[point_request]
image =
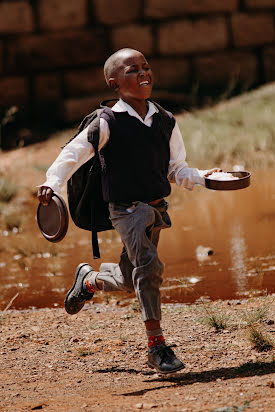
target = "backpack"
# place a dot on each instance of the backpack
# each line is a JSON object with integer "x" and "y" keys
{"x": 87, "y": 208}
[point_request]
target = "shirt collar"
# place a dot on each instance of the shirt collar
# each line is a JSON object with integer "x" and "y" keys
{"x": 122, "y": 106}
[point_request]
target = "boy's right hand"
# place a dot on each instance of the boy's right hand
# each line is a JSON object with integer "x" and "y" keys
{"x": 44, "y": 195}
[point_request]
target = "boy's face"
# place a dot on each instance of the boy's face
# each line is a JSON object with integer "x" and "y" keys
{"x": 133, "y": 78}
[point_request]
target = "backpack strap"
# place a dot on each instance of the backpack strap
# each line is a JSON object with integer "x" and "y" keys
{"x": 93, "y": 135}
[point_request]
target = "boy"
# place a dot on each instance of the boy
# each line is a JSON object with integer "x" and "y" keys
{"x": 144, "y": 152}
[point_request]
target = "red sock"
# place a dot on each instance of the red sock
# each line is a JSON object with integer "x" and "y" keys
{"x": 155, "y": 341}
{"x": 88, "y": 286}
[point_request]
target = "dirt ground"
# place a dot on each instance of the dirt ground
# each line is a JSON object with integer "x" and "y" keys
{"x": 96, "y": 360}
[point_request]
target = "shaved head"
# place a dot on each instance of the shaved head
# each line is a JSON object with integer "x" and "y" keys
{"x": 113, "y": 63}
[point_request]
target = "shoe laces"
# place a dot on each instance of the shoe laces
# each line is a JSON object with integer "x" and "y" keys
{"x": 165, "y": 352}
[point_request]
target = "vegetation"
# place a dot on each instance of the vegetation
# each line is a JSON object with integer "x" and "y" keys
{"x": 259, "y": 341}
{"x": 7, "y": 190}
{"x": 240, "y": 131}
{"x": 3, "y": 313}
{"x": 214, "y": 319}
{"x": 252, "y": 317}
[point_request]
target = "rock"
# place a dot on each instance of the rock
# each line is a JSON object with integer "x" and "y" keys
{"x": 203, "y": 253}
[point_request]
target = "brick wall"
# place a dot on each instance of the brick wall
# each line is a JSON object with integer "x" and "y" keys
{"x": 52, "y": 51}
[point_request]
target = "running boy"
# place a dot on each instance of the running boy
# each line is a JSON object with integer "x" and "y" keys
{"x": 144, "y": 152}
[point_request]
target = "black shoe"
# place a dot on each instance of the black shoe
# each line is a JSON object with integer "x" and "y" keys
{"x": 76, "y": 297}
{"x": 163, "y": 359}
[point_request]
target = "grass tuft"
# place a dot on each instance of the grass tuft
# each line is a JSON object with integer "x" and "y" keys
{"x": 259, "y": 341}
{"x": 7, "y": 190}
{"x": 219, "y": 321}
{"x": 261, "y": 313}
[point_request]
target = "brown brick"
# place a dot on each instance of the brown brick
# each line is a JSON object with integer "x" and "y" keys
{"x": 117, "y": 11}
{"x": 252, "y": 30}
{"x": 164, "y": 8}
{"x": 224, "y": 68}
{"x": 269, "y": 63}
{"x": 170, "y": 73}
{"x": 135, "y": 36}
{"x": 76, "y": 109}
{"x": 56, "y": 50}
{"x": 13, "y": 91}
{"x": 259, "y": 4}
{"x": 84, "y": 82}
{"x": 193, "y": 36}
{"x": 16, "y": 17}
{"x": 56, "y": 14}
{"x": 47, "y": 86}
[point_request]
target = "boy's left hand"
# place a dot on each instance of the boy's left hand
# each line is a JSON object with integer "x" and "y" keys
{"x": 216, "y": 169}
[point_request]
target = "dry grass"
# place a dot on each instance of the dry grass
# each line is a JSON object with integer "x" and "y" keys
{"x": 218, "y": 320}
{"x": 240, "y": 131}
{"x": 259, "y": 341}
{"x": 3, "y": 313}
{"x": 8, "y": 190}
{"x": 261, "y": 313}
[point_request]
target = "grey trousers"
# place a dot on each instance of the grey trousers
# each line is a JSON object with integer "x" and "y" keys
{"x": 139, "y": 269}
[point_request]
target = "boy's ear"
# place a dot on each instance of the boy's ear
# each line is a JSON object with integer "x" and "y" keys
{"x": 113, "y": 84}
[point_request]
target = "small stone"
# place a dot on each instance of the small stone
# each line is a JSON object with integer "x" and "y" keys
{"x": 139, "y": 406}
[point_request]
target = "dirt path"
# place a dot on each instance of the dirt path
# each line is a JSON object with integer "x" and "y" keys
{"x": 96, "y": 360}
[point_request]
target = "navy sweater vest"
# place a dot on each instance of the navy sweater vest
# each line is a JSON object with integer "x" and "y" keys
{"x": 137, "y": 157}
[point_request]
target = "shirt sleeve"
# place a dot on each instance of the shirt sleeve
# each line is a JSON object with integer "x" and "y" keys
{"x": 178, "y": 170}
{"x": 73, "y": 156}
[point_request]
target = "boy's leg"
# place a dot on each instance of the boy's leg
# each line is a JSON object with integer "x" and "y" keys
{"x": 139, "y": 231}
{"x": 111, "y": 277}
{"x": 87, "y": 281}
{"x": 136, "y": 226}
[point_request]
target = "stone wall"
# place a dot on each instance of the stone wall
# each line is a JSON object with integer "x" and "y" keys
{"x": 52, "y": 51}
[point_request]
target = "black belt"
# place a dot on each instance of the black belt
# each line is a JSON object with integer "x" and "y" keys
{"x": 161, "y": 206}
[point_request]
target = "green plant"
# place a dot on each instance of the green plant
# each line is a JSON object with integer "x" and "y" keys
{"x": 7, "y": 190}
{"x": 260, "y": 313}
{"x": 219, "y": 321}
{"x": 259, "y": 341}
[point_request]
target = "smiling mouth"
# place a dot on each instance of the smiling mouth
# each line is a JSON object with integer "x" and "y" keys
{"x": 144, "y": 83}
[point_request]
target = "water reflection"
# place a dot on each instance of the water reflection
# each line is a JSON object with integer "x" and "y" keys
{"x": 235, "y": 227}
{"x": 238, "y": 250}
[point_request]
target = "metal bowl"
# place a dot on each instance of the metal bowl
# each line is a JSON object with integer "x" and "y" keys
{"x": 241, "y": 183}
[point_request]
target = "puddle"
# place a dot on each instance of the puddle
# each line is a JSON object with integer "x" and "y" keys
{"x": 220, "y": 246}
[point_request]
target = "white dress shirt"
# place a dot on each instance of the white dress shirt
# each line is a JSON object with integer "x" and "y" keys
{"x": 79, "y": 151}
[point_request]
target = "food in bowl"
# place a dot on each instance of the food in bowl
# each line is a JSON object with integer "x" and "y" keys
{"x": 228, "y": 180}
{"x": 222, "y": 176}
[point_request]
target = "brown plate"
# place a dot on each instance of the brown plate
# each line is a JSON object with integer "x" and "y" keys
{"x": 53, "y": 219}
{"x": 241, "y": 183}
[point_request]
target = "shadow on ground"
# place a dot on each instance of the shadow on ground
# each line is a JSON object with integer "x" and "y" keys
{"x": 181, "y": 379}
